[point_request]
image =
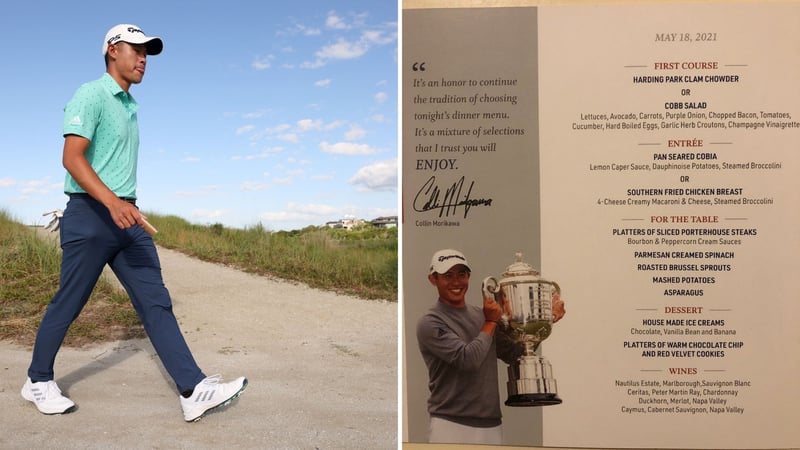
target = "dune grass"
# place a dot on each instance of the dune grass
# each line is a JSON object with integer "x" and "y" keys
{"x": 360, "y": 262}
{"x": 29, "y": 275}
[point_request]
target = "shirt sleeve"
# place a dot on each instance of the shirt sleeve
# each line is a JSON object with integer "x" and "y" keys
{"x": 82, "y": 113}
{"x": 437, "y": 338}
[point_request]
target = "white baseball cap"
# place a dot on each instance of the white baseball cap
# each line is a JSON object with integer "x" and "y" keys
{"x": 132, "y": 35}
{"x": 444, "y": 260}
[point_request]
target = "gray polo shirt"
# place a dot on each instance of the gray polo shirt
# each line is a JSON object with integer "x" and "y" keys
{"x": 462, "y": 365}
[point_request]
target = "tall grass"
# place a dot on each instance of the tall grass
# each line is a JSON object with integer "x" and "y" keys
{"x": 29, "y": 277}
{"x": 361, "y": 262}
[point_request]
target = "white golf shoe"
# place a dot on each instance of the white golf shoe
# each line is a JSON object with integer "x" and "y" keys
{"x": 47, "y": 397}
{"x": 210, "y": 394}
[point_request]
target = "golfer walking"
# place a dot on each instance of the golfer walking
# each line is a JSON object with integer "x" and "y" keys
{"x": 102, "y": 225}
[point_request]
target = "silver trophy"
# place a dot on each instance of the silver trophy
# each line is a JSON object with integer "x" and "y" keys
{"x": 527, "y": 302}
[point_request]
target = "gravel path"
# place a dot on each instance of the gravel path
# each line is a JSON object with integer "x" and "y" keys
{"x": 322, "y": 370}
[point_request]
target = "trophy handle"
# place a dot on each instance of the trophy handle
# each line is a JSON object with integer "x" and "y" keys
{"x": 490, "y": 286}
{"x": 554, "y": 284}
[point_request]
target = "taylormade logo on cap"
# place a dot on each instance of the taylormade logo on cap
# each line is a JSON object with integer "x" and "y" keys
{"x": 132, "y": 34}
{"x": 118, "y": 36}
{"x": 443, "y": 260}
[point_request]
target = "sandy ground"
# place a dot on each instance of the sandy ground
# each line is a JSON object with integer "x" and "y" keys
{"x": 322, "y": 370}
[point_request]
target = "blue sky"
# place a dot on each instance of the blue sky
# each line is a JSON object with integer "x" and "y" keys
{"x": 283, "y": 113}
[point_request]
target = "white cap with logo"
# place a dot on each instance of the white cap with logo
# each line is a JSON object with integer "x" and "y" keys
{"x": 132, "y": 35}
{"x": 444, "y": 260}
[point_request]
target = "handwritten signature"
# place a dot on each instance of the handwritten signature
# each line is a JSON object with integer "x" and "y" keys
{"x": 431, "y": 197}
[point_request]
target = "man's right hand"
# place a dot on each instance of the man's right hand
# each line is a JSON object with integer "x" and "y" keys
{"x": 124, "y": 214}
{"x": 491, "y": 309}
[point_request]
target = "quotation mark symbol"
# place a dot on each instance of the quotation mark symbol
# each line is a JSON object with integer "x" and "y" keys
{"x": 418, "y": 67}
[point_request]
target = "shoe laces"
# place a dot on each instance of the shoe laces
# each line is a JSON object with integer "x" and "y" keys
{"x": 213, "y": 379}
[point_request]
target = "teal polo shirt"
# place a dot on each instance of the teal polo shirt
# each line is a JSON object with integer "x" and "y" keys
{"x": 104, "y": 114}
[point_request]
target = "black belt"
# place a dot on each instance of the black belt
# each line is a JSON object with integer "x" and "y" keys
{"x": 130, "y": 200}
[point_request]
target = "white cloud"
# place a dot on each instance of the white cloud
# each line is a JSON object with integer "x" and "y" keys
{"x": 334, "y": 125}
{"x": 335, "y": 22}
{"x": 7, "y": 182}
{"x": 279, "y": 128}
{"x": 262, "y": 62}
{"x": 284, "y": 181}
{"x": 313, "y": 65}
{"x": 381, "y": 97}
{"x": 304, "y": 125}
{"x": 36, "y": 183}
{"x": 350, "y": 49}
{"x": 305, "y": 30}
{"x": 307, "y": 125}
{"x": 43, "y": 186}
{"x": 381, "y": 176}
{"x": 347, "y": 148}
{"x": 245, "y": 129}
{"x": 255, "y": 114}
{"x": 323, "y": 83}
{"x": 378, "y": 37}
{"x": 290, "y": 137}
{"x": 254, "y": 186}
{"x": 355, "y": 133}
{"x": 359, "y": 19}
{"x": 343, "y": 49}
{"x": 265, "y": 153}
{"x": 34, "y": 190}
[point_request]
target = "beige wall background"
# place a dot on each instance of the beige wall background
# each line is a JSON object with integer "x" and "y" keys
{"x": 423, "y": 4}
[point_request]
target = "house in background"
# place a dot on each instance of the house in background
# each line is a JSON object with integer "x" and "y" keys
{"x": 351, "y": 222}
{"x": 385, "y": 222}
{"x": 347, "y": 223}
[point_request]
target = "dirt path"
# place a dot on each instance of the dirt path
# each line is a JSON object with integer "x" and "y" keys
{"x": 322, "y": 370}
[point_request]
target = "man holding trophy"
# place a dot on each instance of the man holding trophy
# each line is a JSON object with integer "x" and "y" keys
{"x": 461, "y": 343}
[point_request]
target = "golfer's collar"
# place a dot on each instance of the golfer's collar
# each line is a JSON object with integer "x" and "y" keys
{"x": 116, "y": 90}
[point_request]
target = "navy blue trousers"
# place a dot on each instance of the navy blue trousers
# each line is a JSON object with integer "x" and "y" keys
{"x": 89, "y": 241}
